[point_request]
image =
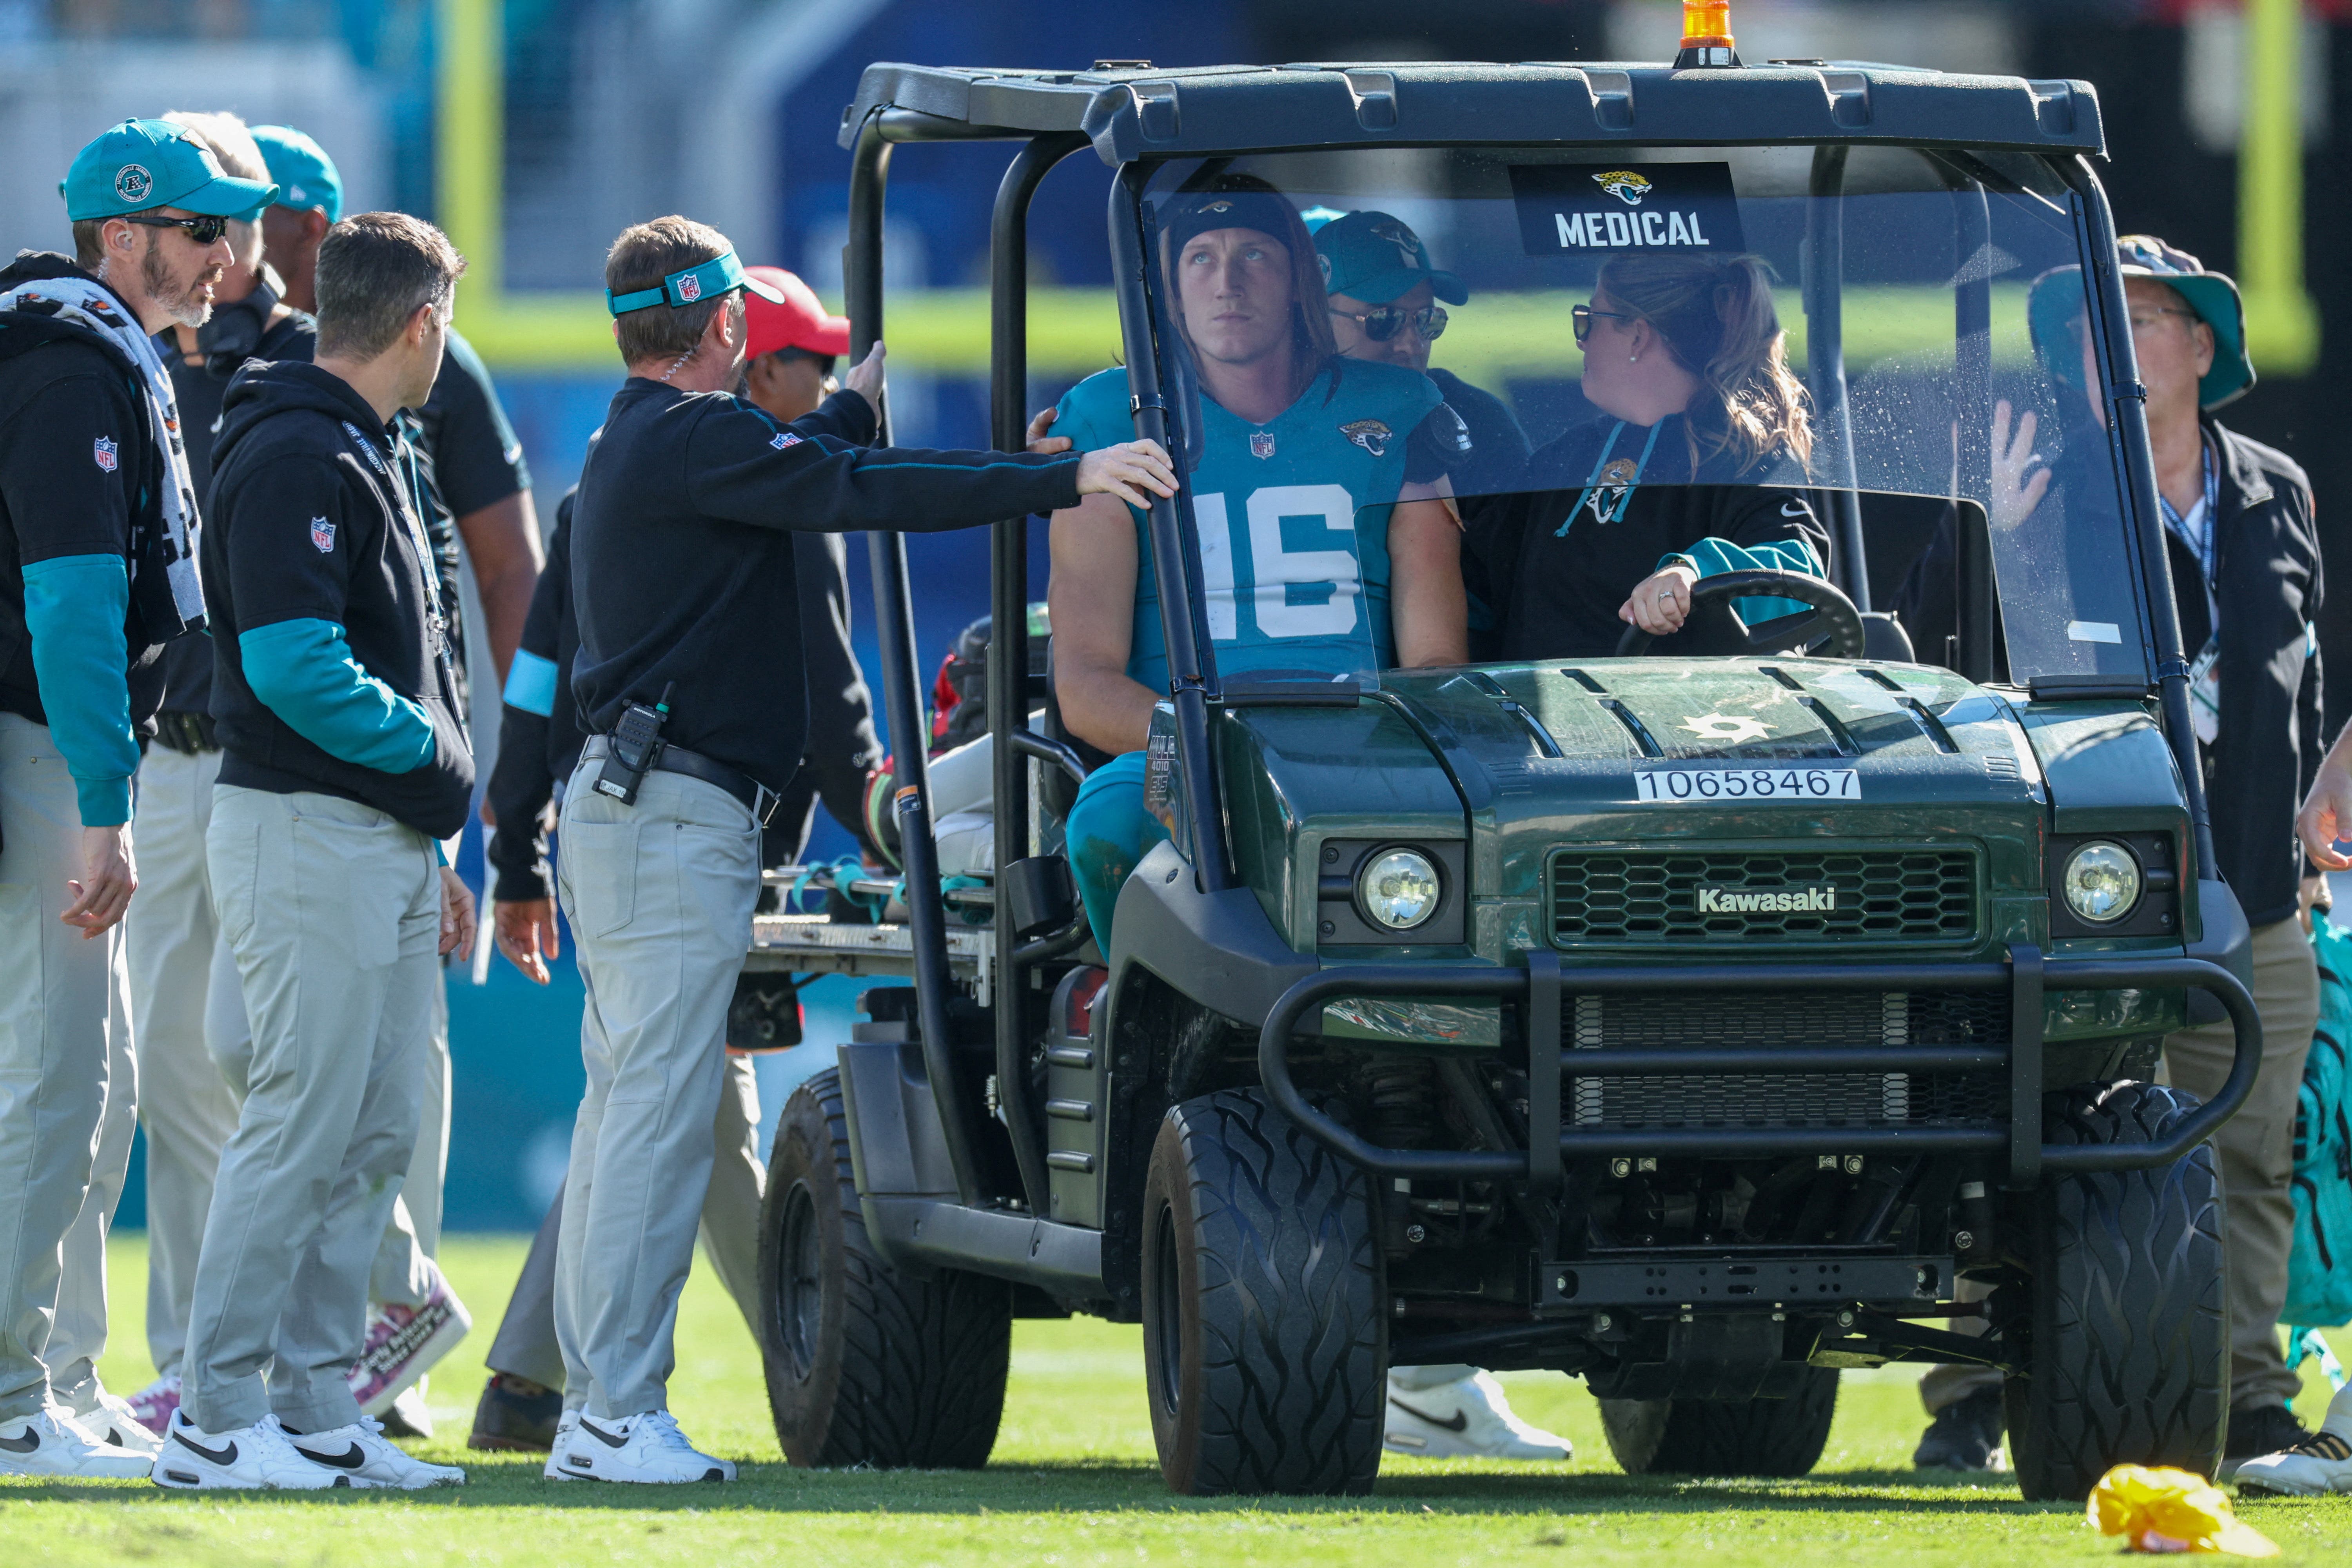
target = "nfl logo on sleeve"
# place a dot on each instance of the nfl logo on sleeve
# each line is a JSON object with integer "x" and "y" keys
{"x": 104, "y": 453}
{"x": 322, "y": 534}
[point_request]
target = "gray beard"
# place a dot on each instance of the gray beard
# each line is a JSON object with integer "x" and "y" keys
{"x": 189, "y": 307}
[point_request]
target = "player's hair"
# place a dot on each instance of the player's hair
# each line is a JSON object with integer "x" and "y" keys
{"x": 640, "y": 258}
{"x": 1716, "y": 317}
{"x": 1312, "y": 344}
{"x": 239, "y": 156}
{"x": 375, "y": 271}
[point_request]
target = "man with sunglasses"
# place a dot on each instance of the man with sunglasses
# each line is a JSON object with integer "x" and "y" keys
{"x": 97, "y": 528}
{"x": 1385, "y": 308}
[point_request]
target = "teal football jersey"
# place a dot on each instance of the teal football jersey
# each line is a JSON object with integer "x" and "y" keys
{"x": 1292, "y": 517}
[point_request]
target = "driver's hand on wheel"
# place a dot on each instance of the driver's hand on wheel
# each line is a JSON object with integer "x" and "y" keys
{"x": 1661, "y": 602}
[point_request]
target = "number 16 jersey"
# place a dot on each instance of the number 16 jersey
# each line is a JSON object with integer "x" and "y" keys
{"x": 1292, "y": 517}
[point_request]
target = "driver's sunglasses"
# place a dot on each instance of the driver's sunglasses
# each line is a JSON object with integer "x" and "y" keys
{"x": 1580, "y": 318}
{"x": 1382, "y": 322}
{"x": 204, "y": 231}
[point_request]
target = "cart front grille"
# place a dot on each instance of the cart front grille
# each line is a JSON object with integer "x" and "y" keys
{"x": 1802, "y": 1019}
{"x": 1667, "y": 899}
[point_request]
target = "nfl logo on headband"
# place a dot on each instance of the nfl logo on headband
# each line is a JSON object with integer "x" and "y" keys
{"x": 689, "y": 289}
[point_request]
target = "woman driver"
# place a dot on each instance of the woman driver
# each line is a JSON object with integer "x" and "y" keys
{"x": 1685, "y": 357}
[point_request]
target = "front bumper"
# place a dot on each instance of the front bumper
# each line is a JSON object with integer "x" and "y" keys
{"x": 1542, "y": 988}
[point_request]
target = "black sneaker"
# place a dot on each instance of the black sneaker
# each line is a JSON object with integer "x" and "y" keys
{"x": 1964, "y": 1436}
{"x": 508, "y": 1418}
{"x": 2259, "y": 1429}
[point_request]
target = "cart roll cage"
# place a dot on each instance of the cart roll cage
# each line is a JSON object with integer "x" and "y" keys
{"x": 1132, "y": 116}
{"x": 1542, "y": 988}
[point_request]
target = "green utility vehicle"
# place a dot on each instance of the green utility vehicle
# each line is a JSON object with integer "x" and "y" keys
{"x": 1699, "y": 1018}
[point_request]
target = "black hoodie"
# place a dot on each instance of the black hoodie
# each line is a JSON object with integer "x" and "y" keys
{"x": 313, "y": 518}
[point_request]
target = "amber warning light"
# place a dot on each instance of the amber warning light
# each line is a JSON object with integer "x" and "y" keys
{"x": 1707, "y": 35}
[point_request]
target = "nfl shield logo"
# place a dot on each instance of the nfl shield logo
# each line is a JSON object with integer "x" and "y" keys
{"x": 104, "y": 452}
{"x": 322, "y": 534}
{"x": 1261, "y": 444}
{"x": 689, "y": 289}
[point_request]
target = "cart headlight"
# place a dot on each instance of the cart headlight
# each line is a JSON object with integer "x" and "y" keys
{"x": 2102, "y": 883}
{"x": 1400, "y": 889}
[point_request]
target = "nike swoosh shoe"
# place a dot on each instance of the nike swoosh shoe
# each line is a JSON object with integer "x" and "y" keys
{"x": 110, "y": 1420}
{"x": 1467, "y": 1418}
{"x": 371, "y": 1459}
{"x": 49, "y": 1444}
{"x": 153, "y": 1405}
{"x": 567, "y": 1427}
{"x": 647, "y": 1447}
{"x": 259, "y": 1458}
{"x": 404, "y": 1343}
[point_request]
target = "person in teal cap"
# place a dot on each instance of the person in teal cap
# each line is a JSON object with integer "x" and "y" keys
{"x": 98, "y": 530}
{"x": 2242, "y": 540}
{"x": 309, "y": 201}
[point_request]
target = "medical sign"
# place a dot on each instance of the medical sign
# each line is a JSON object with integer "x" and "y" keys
{"x": 1575, "y": 208}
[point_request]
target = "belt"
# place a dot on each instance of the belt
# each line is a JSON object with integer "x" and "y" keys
{"x": 191, "y": 734}
{"x": 670, "y": 759}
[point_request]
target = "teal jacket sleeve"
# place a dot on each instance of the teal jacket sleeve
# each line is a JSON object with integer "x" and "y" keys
{"x": 74, "y": 606}
{"x": 1712, "y": 557}
{"x": 303, "y": 671}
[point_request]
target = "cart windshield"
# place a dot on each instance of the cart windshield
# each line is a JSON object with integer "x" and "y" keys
{"x": 1869, "y": 363}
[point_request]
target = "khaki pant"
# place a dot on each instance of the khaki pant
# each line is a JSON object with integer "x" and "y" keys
{"x": 172, "y": 943}
{"x": 527, "y": 1345}
{"x": 78, "y": 1337}
{"x": 58, "y": 1047}
{"x": 2257, "y": 1153}
{"x": 333, "y": 911}
{"x": 659, "y": 895}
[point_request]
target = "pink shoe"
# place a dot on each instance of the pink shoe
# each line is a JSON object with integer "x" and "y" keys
{"x": 154, "y": 1405}
{"x": 403, "y": 1343}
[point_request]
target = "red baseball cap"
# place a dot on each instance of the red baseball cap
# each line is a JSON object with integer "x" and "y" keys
{"x": 797, "y": 321}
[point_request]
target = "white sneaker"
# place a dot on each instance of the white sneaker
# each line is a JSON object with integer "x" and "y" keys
{"x": 647, "y": 1447}
{"x": 567, "y": 1427}
{"x": 50, "y": 1443}
{"x": 1465, "y": 1419}
{"x": 259, "y": 1458}
{"x": 2320, "y": 1463}
{"x": 114, "y": 1422}
{"x": 371, "y": 1459}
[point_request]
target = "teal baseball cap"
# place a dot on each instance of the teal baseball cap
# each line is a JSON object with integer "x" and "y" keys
{"x": 1375, "y": 257}
{"x": 144, "y": 163}
{"x": 307, "y": 178}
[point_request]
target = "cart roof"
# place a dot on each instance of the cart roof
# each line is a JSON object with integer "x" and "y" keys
{"x": 1130, "y": 113}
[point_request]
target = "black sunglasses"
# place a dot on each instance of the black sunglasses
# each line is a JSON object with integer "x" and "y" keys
{"x": 1580, "y": 317}
{"x": 1382, "y": 322}
{"x": 204, "y": 231}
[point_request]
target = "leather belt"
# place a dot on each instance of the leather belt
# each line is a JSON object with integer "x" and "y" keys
{"x": 672, "y": 759}
{"x": 191, "y": 734}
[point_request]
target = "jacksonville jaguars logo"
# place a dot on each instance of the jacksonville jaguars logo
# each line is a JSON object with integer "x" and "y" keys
{"x": 1624, "y": 184}
{"x": 1407, "y": 243}
{"x": 1370, "y": 434}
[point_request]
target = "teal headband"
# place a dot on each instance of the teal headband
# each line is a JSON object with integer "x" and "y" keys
{"x": 706, "y": 280}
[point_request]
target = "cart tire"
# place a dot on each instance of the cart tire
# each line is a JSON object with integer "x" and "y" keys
{"x": 2128, "y": 1355}
{"x": 1264, "y": 1344}
{"x": 1724, "y": 1436}
{"x": 865, "y": 1365}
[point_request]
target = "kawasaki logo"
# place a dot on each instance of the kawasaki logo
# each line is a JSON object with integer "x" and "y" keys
{"x": 1819, "y": 899}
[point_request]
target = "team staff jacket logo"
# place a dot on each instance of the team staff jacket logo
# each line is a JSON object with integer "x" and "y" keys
{"x": 1292, "y": 517}
{"x": 103, "y": 454}
{"x": 1570, "y": 208}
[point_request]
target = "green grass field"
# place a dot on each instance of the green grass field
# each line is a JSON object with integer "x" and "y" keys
{"x": 1074, "y": 1481}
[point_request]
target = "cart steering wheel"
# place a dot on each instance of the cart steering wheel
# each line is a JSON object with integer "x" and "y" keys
{"x": 1712, "y": 629}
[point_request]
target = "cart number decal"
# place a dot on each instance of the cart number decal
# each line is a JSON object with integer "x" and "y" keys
{"x": 1748, "y": 783}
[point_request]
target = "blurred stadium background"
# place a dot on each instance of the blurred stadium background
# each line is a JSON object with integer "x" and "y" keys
{"x": 534, "y": 130}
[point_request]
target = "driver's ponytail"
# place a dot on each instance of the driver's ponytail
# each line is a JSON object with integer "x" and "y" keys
{"x": 1717, "y": 316}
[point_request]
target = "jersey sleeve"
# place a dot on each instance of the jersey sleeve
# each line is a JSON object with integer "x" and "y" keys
{"x": 1093, "y": 414}
{"x": 477, "y": 457}
{"x": 288, "y": 546}
{"x": 65, "y": 469}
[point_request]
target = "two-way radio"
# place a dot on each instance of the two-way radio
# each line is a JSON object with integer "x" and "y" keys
{"x": 635, "y": 746}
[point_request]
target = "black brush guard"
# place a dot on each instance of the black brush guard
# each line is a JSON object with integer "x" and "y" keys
{"x": 1542, "y": 987}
